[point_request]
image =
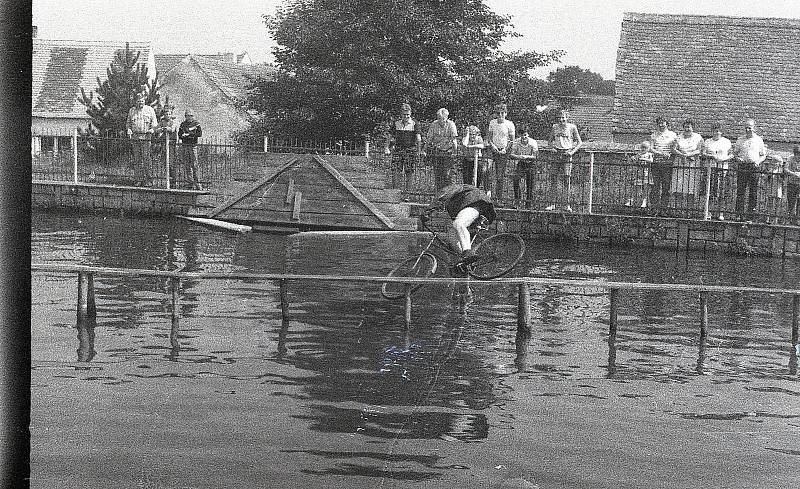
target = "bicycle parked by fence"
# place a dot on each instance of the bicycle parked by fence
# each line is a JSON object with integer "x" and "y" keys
{"x": 497, "y": 254}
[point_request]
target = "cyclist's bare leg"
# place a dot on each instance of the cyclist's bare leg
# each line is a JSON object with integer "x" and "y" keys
{"x": 465, "y": 217}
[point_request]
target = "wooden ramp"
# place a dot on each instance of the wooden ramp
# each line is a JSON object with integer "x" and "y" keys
{"x": 305, "y": 192}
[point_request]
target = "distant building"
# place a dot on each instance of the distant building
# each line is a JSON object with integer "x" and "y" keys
{"x": 710, "y": 69}
{"x": 60, "y": 68}
{"x": 210, "y": 85}
{"x": 592, "y": 115}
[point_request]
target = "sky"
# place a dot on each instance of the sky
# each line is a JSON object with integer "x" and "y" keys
{"x": 587, "y": 30}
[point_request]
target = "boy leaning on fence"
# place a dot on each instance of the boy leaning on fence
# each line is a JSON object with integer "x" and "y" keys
{"x": 472, "y": 151}
{"x": 188, "y": 132}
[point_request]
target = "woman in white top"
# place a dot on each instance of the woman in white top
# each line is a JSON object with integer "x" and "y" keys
{"x": 716, "y": 155}
{"x": 686, "y": 177}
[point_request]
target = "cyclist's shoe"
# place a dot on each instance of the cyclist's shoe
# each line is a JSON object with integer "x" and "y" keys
{"x": 482, "y": 223}
{"x": 467, "y": 257}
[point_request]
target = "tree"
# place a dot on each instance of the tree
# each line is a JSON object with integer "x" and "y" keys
{"x": 571, "y": 81}
{"x": 126, "y": 78}
{"x": 345, "y": 67}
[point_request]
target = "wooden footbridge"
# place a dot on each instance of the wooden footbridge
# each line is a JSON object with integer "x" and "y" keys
{"x": 87, "y": 308}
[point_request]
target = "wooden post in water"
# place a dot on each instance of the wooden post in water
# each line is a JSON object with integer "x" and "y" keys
{"x": 703, "y": 315}
{"x": 613, "y": 295}
{"x": 91, "y": 306}
{"x": 284, "y": 300}
{"x": 266, "y": 143}
{"x": 591, "y": 182}
{"x": 524, "y": 308}
{"x": 82, "y": 306}
{"x": 408, "y": 305}
{"x": 175, "y": 282}
{"x": 795, "y": 318}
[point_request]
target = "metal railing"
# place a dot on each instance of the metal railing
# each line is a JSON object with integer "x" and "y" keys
{"x": 602, "y": 180}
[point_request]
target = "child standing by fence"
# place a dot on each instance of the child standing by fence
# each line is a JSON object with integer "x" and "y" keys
{"x": 643, "y": 180}
{"x": 792, "y": 172}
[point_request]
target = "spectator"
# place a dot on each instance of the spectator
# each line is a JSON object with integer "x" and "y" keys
{"x": 749, "y": 152}
{"x": 792, "y": 172}
{"x": 525, "y": 151}
{"x": 501, "y": 135}
{"x": 440, "y": 146}
{"x": 140, "y": 126}
{"x": 188, "y": 133}
{"x": 473, "y": 144}
{"x": 661, "y": 141}
{"x": 717, "y": 154}
{"x": 407, "y": 143}
{"x": 566, "y": 141}
{"x": 773, "y": 167}
{"x": 641, "y": 186}
{"x": 686, "y": 180}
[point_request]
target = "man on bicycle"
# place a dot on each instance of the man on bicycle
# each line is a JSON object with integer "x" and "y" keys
{"x": 465, "y": 204}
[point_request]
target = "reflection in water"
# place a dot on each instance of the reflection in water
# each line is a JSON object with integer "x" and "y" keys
{"x": 345, "y": 362}
{"x": 85, "y": 326}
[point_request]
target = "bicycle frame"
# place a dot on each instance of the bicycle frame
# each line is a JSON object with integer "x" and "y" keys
{"x": 443, "y": 245}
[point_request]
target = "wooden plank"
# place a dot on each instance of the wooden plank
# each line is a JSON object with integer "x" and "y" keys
{"x": 217, "y": 210}
{"x": 290, "y": 191}
{"x": 298, "y": 198}
{"x": 385, "y": 220}
{"x": 220, "y": 224}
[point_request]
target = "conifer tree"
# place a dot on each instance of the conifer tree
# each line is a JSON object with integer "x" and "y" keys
{"x": 126, "y": 78}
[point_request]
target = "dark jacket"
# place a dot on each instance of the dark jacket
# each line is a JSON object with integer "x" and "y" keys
{"x": 188, "y": 132}
{"x": 458, "y": 196}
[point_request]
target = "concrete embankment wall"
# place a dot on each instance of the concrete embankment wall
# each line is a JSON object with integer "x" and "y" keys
{"x": 667, "y": 233}
{"x": 106, "y": 198}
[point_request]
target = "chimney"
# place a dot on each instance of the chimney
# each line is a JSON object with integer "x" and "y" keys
{"x": 229, "y": 57}
{"x": 35, "y": 31}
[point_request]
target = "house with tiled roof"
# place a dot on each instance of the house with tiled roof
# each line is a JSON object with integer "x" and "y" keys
{"x": 211, "y": 87}
{"x": 60, "y": 68}
{"x": 592, "y": 115}
{"x": 710, "y": 69}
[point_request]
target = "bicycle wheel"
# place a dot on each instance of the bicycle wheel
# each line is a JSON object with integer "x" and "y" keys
{"x": 497, "y": 255}
{"x": 421, "y": 267}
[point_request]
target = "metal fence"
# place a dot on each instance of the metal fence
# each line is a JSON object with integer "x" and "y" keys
{"x": 602, "y": 180}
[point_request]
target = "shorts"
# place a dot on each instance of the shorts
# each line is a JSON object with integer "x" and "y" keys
{"x": 405, "y": 160}
{"x": 563, "y": 163}
{"x": 524, "y": 167}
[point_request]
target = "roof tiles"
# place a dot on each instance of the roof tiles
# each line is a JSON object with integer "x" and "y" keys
{"x": 710, "y": 69}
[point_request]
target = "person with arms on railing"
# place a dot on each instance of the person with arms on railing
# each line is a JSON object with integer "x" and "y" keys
{"x": 188, "y": 132}
{"x": 686, "y": 180}
{"x": 566, "y": 141}
{"x": 500, "y": 136}
{"x": 441, "y": 146}
{"x": 524, "y": 151}
{"x": 716, "y": 155}
{"x": 140, "y": 125}
{"x": 405, "y": 145}
{"x": 465, "y": 204}
{"x": 792, "y": 172}
{"x": 661, "y": 140}
{"x": 749, "y": 152}
{"x": 643, "y": 180}
{"x": 472, "y": 152}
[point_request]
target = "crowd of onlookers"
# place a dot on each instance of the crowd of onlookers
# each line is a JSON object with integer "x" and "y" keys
{"x": 142, "y": 126}
{"x": 671, "y": 168}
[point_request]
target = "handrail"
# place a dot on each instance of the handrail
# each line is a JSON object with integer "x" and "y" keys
{"x": 133, "y": 272}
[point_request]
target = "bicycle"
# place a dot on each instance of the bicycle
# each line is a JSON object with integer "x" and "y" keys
{"x": 496, "y": 256}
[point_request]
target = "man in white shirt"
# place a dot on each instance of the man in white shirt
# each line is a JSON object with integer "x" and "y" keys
{"x": 749, "y": 152}
{"x": 501, "y": 135}
{"x": 566, "y": 141}
{"x": 141, "y": 124}
{"x": 661, "y": 141}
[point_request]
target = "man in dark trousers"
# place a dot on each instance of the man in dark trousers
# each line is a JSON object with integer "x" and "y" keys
{"x": 188, "y": 132}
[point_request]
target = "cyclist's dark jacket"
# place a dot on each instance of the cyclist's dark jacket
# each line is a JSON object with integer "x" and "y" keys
{"x": 459, "y": 196}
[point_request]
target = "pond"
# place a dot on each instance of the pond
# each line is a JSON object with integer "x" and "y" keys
{"x": 342, "y": 395}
